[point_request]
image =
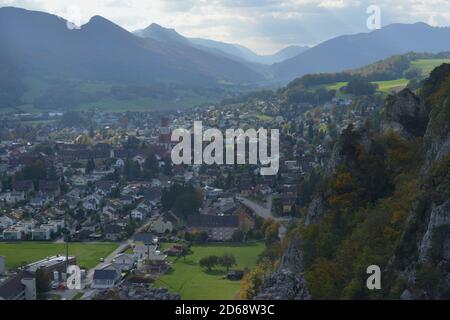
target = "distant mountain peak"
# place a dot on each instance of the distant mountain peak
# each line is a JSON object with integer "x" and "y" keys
{"x": 98, "y": 21}
{"x": 159, "y": 33}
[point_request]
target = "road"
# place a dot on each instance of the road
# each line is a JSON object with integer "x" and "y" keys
{"x": 122, "y": 247}
{"x": 264, "y": 212}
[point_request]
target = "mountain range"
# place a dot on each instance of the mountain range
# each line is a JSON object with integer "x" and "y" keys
{"x": 40, "y": 44}
{"x": 233, "y": 51}
{"x": 354, "y": 51}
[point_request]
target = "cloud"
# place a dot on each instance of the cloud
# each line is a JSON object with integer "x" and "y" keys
{"x": 262, "y": 25}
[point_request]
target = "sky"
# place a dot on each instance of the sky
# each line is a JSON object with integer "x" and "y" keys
{"x": 264, "y": 26}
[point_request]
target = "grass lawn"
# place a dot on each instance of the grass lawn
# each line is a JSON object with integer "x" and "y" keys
{"x": 195, "y": 283}
{"x": 88, "y": 254}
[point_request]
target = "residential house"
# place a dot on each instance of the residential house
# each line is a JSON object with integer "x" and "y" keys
{"x": 112, "y": 209}
{"x": 6, "y": 222}
{"x": 49, "y": 188}
{"x": 146, "y": 238}
{"x": 90, "y": 204}
{"x": 161, "y": 226}
{"x": 15, "y": 197}
{"x": 140, "y": 212}
{"x": 12, "y": 234}
{"x": 105, "y": 279}
{"x": 126, "y": 200}
{"x": 175, "y": 250}
{"x": 288, "y": 204}
{"x": 113, "y": 232}
{"x": 246, "y": 187}
{"x": 39, "y": 201}
{"x": 42, "y": 233}
{"x": 153, "y": 196}
{"x": 124, "y": 262}
{"x": 21, "y": 286}
{"x": 219, "y": 228}
{"x": 104, "y": 187}
{"x": 25, "y": 186}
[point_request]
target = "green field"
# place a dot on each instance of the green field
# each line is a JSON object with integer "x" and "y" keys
{"x": 88, "y": 254}
{"x": 335, "y": 86}
{"x": 383, "y": 86}
{"x": 195, "y": 283}
{"x": 390, "y": 85}
{"x": 427, "y": 65}
{"x": 175, "y": 96}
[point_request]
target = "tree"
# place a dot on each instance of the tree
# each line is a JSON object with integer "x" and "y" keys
{"x": 209, "y": 262}
{"x": 229, "y": 181}
{"x": 43, "y": 281}
{"x": 183, "y": 200}
{"x": 238, "y": 236}
{"x": 132, "y": 169}
{"x": 184, "y": 252}
{"x": 360, "y": 87}
{"x": 310, "y": 132}
{"x": 227, "y": 260}
{"x": 36, "y": 171}
{"x": 90, "y": 166}
{"x": 151, "y": 163}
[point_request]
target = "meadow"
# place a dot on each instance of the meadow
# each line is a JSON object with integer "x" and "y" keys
{"x": 427, "y": 65}
{"x": 195, "y": 283}
{"x": 88, "y": 254}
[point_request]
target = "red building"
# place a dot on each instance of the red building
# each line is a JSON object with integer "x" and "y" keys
{"x": 165, "y": 134}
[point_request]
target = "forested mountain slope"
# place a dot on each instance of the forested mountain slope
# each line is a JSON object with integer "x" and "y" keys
{"x": 382, "y": 200}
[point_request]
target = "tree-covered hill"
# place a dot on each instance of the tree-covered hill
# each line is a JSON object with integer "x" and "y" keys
{"x": 382, "y": 200}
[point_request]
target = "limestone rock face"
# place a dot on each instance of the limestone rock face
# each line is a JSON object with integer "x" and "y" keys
{"x": 437, "y": 136}
{"x": 405, "y": 114}
{"x": 440, "y": 216}
{"x": 136, "y": 292}
{"x": 287, "y": 283}
{"x": 343, "y": 153}
{"x": 427, "y": 232}
{"x": 315, "y": 211}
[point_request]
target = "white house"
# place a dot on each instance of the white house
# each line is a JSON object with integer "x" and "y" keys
{"x": 12, "y": 234}
{"x": 15, "y": 197}
{"x": 124, "y": 261}
{"x": 43, "y": 233}
{"x": 6, "y": 222}
{"x": 160, "y": 226}
{"x": 138, "y": 214}
{"x": 90, "y": 204}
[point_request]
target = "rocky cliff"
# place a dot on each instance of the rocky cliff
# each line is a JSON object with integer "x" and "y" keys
{"x": 423, "y": 254}
{"x": 287, "y": 283}
{"x": 406, "y": 114}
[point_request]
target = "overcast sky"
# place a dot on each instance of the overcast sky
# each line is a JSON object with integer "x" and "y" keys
{"x": 262, "y": 25}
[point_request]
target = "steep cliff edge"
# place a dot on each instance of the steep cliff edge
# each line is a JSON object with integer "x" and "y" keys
{"x": 422, "y": 258}
{"x": 287, "y": 282}
{"x": 406, "y": 114}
